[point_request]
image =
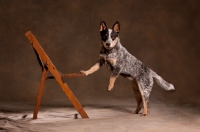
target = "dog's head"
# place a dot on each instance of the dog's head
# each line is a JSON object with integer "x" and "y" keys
{"x": 109, "y": 37}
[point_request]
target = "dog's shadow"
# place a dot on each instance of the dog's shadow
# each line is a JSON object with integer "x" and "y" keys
{"x": 120, "y": 108}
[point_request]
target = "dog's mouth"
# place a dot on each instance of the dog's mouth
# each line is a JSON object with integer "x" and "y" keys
{"x": 108, "y": 47}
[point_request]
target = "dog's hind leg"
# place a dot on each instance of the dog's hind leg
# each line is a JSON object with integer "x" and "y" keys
{"x": 144, "y": 100}
{"x": 145, "y": 86}
{"x": 137, "y": 96}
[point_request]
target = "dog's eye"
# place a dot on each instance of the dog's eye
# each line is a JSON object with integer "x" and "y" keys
{"x": 104, "y": 38}
{"x": 113, "y": 37}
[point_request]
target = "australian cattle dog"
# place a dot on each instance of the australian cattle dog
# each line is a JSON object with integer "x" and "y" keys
{"x": 118, "y": 60}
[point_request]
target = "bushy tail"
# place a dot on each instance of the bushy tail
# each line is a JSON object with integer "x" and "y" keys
{"x": 161, "y": 82}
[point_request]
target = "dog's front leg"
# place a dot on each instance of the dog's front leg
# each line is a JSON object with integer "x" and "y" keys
{"x": 92, "y": 69}
{"x": 113, "y": 77}
{"x": 111, "y": 83}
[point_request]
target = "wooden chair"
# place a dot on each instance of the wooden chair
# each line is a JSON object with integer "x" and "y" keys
{"x": 46, "y": 66}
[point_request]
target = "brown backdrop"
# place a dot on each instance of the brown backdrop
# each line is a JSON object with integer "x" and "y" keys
{"x": 163, "y": 34}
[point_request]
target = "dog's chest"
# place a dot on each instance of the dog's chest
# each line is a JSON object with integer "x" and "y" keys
{"x": 112, "y": 56}
{"x": 110, "y": 60}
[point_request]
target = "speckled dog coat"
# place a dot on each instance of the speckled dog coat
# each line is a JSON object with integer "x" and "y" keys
{"x": 118, "y": 60}
{"x": 130, "y": 67}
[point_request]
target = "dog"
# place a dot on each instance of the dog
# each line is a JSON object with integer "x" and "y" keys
{"x": 118, "y": 60}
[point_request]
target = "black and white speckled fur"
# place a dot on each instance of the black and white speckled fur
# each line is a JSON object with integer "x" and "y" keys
{"x": 118, "y": 60}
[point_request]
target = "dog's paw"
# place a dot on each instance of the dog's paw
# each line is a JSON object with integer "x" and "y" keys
{"x": 143, "y": 114}
{"x": 110, "y": 87}
{"x": 83, "y": 72}
{"x": 135, "y": 112}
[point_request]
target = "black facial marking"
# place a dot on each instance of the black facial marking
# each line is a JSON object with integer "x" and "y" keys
{"x": 113, "y": 35}
{"x": 104, "y": 35}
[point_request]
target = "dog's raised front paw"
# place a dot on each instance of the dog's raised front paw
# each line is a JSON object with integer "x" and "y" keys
{"x": 83, "y": 72}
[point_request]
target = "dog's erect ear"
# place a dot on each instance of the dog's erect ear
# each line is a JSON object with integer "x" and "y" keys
{"x": 116, "y": 27}
{"x": 103, "y": 26}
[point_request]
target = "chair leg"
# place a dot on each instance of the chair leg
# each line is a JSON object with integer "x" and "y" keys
{"x": 40, "y": 92}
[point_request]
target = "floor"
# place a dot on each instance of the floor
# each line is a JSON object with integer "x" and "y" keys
{"x": 106, "y": 115}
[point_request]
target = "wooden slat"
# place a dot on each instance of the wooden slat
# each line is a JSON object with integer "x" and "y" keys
{"x": 46, "y": 61}
{"x": 73, "y": 75}
{"x": 70, "y": 75}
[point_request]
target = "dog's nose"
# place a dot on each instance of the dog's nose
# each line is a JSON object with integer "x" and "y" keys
{"x": 107, "y": 44}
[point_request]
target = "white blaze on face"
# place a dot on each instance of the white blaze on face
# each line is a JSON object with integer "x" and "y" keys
{"x": 109, "y": 40}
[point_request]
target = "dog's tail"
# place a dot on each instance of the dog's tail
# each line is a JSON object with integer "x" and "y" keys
{"x": 161, "y": 82}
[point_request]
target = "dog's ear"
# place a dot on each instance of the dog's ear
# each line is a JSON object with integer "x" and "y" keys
{"x": 116, "y": 27}
{"x": 103, "y": 26}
